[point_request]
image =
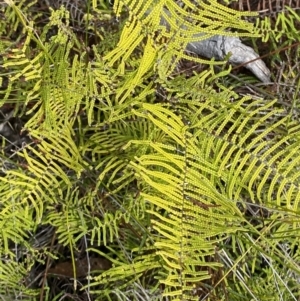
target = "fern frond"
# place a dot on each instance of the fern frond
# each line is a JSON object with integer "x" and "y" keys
{"x": 286, "y": 25}
{"x": 187, "y": 188}
{"x": 9, "y": 279}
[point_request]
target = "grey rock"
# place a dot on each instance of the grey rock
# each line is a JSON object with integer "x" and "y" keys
{"x": 219, "y": 47}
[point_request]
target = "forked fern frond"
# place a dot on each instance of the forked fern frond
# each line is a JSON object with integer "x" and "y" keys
{"x": 196, "y": 185}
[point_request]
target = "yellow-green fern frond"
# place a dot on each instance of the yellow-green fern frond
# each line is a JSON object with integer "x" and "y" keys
{"x": 196, "y": 184}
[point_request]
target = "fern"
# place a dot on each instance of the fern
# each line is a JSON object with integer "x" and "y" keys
{"x": 286, "y": 25}
{"x": 189, "y": 189}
